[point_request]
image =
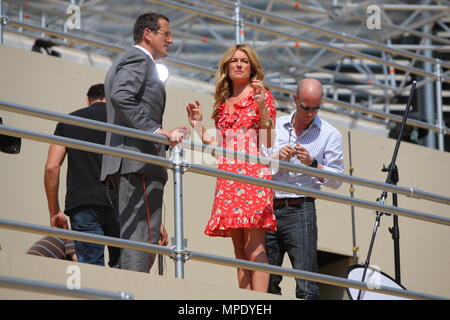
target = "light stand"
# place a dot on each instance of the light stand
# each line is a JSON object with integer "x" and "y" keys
{"x": 392, "y": 178}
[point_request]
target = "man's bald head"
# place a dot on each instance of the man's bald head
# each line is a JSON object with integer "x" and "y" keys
{"x": 309, "y": 93}
{"x": 309, "y": 88}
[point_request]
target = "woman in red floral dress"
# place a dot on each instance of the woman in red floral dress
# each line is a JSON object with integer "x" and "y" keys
{"x": 243, "y": 107}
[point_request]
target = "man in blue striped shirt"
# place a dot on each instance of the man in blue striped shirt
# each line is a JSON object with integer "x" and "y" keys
{"x": 303, "y": 138}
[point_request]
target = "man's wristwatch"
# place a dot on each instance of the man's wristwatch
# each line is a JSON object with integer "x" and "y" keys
{"x": 314, "y": 163}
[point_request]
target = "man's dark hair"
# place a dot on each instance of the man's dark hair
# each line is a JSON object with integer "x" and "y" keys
{"x": 147, "y": 20}
{"x": 96, "y": 92}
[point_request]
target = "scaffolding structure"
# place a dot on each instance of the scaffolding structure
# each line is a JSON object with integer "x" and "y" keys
{"x": 366, "y": 53}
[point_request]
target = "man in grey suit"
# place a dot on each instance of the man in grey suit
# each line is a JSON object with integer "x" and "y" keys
{"x": 135, "y": 98}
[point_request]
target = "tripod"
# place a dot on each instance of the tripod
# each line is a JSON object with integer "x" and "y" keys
{"x": 392, "y": 178}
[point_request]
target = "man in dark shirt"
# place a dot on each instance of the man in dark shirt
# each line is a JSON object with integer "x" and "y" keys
{"x": 89, "y": 204}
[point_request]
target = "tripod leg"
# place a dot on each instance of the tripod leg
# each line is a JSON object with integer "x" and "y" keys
{"x": 369, "y": 253}
{"x": 395, "y": 232}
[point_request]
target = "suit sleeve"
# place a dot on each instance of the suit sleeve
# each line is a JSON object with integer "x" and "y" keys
{"x": 127, "y": 86}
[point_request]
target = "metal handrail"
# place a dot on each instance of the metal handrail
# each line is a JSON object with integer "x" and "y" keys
{"x": 98, "y": 125}
{"x": 206, "y": 69}
{"x": 118, "y": 152}
{"x": 59, "y": 289}
{"x": 318, "y": 194}
{"x": 205, "y": 257}
{"x": 180, "y": 251}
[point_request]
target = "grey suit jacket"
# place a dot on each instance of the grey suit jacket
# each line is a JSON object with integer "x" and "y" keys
{"x": 135, "y": 98}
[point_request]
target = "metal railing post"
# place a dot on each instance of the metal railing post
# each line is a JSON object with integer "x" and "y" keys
{"x": 1, "y": 22}
{"x": 21, "y": 17}
{"x": 439, "y": 110}
{"x": 355, "y": 248}
{"x": 178, "y": 165}
{"x": 237, "y": 19}
{"x": 426, "y": 108}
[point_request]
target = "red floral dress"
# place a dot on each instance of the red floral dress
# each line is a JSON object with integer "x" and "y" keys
{"x": 236, "y": 204}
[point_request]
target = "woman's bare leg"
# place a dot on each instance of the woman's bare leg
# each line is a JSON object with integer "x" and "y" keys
{"x": 256, "y": 252}
{"x": 244, "y": 275}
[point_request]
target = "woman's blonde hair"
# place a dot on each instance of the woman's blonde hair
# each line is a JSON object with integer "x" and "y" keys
{"x": 224, "y": 87}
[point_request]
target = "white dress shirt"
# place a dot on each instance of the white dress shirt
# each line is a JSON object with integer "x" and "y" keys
{"x": 323, "y": 142}
{"x": 145, "y": 51}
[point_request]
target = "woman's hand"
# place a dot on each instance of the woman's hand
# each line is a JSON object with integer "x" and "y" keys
{"x": 195, "y": 117}
{"x": 259, "y": 93}
{"x": 194, "y": 113}
{"x": 266, "y": 122}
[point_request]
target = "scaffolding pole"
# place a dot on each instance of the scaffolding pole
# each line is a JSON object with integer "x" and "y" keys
{"x": 439, "y": 109}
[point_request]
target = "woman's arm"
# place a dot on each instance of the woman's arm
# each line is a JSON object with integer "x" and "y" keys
{"x": 195, "y": 117}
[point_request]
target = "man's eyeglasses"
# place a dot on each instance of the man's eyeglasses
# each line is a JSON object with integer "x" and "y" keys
{"x": 314, "y": 109}
{"x": 166, "y": 34}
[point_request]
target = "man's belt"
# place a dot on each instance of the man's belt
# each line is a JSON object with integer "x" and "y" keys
{"x": 290, "y": 202}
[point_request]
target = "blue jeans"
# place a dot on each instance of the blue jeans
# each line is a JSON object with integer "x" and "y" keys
{"x": 297, "y": 235}
{"x": 97, "y": 220}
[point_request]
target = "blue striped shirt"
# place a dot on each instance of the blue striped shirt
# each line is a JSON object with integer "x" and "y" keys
{"x": 323, "y": 142}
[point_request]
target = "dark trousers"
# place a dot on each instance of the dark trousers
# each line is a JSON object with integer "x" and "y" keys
{"x": 297, "y": 235}
{"x": 140, "y": 201}
{"x": 97, "y": 220}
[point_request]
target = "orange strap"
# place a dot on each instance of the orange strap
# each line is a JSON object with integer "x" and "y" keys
{"x": 148, "y": 218}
